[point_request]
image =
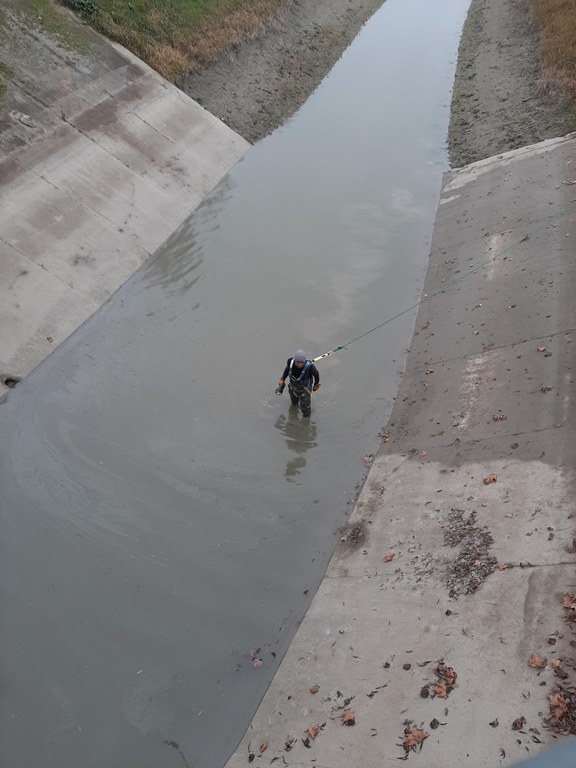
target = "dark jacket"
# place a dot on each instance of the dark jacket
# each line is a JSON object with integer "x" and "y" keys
{"x": 311, "y": 373}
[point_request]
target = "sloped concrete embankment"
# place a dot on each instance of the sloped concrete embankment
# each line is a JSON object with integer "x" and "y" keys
{"x": 460, "y": 547}
{"x": 101, "y": 159}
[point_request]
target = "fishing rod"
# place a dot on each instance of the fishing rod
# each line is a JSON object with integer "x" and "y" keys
{"x": 449, "y": 286}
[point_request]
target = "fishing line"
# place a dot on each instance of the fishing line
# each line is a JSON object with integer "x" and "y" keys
{"x": 451, "y": 285}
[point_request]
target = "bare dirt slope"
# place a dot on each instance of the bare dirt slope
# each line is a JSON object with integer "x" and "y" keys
{"x": 258, "y": 86}
{"x": 498, "y": 102}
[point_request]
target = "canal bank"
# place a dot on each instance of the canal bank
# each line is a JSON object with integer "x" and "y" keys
{"x": 101, "y": 159}
{"x": 451, "y": 573}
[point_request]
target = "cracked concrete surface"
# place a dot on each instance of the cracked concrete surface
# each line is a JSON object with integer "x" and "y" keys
{"x": 488, "y": 391}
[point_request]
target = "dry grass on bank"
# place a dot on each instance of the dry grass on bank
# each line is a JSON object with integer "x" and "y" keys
{"x": 557, "y": 21}
{"x": 175, "y": 35}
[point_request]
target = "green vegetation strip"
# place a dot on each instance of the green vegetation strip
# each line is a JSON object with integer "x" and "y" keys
{"x": 174, "y": 35}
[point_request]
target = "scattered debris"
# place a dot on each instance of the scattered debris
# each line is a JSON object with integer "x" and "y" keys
{"x": 569, "y": 607}
{"x": 314, "y": 689}
{"x": 264, "y": 746}
{"x": 434, "y": 724}
{"x": 443, "y": 685}
{"x": 256, "y": 658}
{"x": 313, "y": 731}
{"x": 518, "y": 723}
{"x": 389, "y": 556}
{"x": 540, "y": 349}
{"x": 22, "y": 118}
{"x": 385, "y": 436}
{"x": 499, "y": 417}
{"x": 473, "y": 563}
{"x": 289, "y": 743}
{"x": 406, "y": 666}
{"x": 490, "y": 479}
{"x": 545, "y": 389}
{"x": 348, "y": 717}
{"x": 562, "y": 703}
{"x": 494, "y": 723}
{"x": 413, "y": 738}
{"x": 375, "y": 691}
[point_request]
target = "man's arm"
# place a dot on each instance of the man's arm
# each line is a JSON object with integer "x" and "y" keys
{"x": 284, "y": 376}
{"x": 315, "y": 376}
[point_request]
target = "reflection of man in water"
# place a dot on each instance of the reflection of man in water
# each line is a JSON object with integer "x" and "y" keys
{"x": 300, "y": 436}
{"x": 303, "y": 379}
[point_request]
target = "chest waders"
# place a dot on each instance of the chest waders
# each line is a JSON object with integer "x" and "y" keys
{"x": 300, "y": 387}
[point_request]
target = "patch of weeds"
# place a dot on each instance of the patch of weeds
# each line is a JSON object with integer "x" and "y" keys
{"x": 87, "y": 9}
{"x": 5, "y": 71}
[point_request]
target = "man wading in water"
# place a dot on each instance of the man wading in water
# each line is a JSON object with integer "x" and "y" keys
{"x": 303, "y": 379}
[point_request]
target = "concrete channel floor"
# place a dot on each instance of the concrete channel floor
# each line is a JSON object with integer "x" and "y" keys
{"x": 101, "y": 159}
{"x": 438, "y": 565}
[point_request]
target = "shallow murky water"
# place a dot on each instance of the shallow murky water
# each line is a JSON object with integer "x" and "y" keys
{"x": 166, "y": 517}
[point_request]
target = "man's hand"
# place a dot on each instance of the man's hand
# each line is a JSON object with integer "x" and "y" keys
{"x": 281, "y": 383}
{"x": 316, "y": 387}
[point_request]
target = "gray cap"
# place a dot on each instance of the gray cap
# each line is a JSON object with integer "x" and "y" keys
{"x": 300, "y": 356}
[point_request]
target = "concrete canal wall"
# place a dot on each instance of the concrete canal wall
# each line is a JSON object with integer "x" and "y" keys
{"x": 100, "y": 160}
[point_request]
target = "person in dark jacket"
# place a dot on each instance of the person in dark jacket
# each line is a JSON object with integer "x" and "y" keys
{"x": 303, "y": 379}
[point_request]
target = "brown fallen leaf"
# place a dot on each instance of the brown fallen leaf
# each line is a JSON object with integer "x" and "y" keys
{"x": 536, "y": 661}
{"x": 388, "y": 557}
{"x": 314, "y": 689}
{"x": 540, "y": 349}
{"x": 518, "y": 723}
{"x": 348, "y": 717}
{"x": 558, "y": 706}
{"x": 439, "y": 690}
{"x": 413, "y": 738}
{"x": 501, "y": 566}
{"x": 264, "y": 746}
{"x": 256, "y": 662}
{"x": 489, "y": 479}
{"x": 446, "y": 674}
{"x": 569, "y": 601}
{"x": 555, "y": 663}
{"x": 313, "y": 731}
{"x": 499, "y": 417}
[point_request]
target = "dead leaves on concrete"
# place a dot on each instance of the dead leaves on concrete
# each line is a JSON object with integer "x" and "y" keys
{"x": 562, "y": 704}
{"x": 569, "y": 607}
{"x": 414, "y": 738}
{"x": 348, "y": 717}
{"x": 444, "y": 684}
{"x": 536, "y": 661}
{"x": 473, "y": 563}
